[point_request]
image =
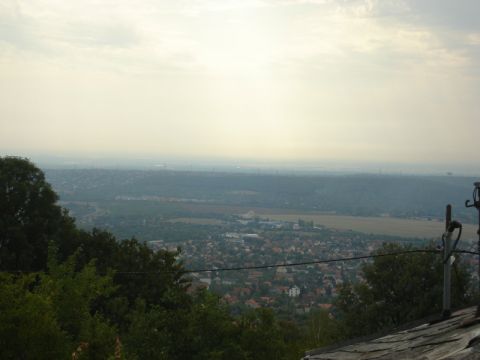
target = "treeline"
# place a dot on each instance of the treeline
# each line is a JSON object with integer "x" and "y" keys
{"x": 359, "y": 195}
{"x": 67, "y": 293}
{"x": 64, "y": 291}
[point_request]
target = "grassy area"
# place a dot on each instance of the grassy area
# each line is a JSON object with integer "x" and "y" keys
{"x": 377, "y": 225}
{"x": 370, "y": 225}
{"x": 197, "y": 221}
{"x": 211, "y": 214}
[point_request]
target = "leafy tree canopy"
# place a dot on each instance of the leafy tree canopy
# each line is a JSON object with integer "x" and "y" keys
{"x": 398, "y": 289}
{"x": 91, "y": 290}
{"x": 48, "y": 315}
{"x": 29, "y": 217}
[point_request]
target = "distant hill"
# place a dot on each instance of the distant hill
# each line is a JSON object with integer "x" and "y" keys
{"x": 358, "y": 195}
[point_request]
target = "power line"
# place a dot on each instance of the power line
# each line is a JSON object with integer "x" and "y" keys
{"x": 323, "y": 261}
{"x": 466, "y": 252}
{"x": 269, "y": 266}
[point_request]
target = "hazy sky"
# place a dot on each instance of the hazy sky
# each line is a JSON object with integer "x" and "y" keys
{"x": 269, "y": 79}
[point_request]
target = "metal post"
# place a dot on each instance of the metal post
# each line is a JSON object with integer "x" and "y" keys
{"x": 448, "y": 216}
{"x": 447, "y": 274}
{"x": 476, "y": 204}
{"x": 478, "y": 249}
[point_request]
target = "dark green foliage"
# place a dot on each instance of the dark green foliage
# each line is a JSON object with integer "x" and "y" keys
{"x": 264, "y": 337}
{"x": 322, "y": 329}
{"x": 100, "y": 245}
{"x": 212, "y": 329}
{"x": 398, "y": 289}
{"x": 47, "y": 316}
{"x": 206, "y": 331}
{"x": 73, "y": 294}
{"x": 202, "y": 331}
{"x": 140, "y": 272}
{"x": 29, "y": 216}
{"x": 162, "y": 274}
{"x": 101, "y": 289}
{"x": 92, "y": 289}
{"x": 28, "y": 325}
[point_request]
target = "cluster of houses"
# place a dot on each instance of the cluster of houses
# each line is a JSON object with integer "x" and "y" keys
{"x": 273, "y": 243}
{"x": 306, "y": 287}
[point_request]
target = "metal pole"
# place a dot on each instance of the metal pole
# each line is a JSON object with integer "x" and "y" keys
{"x": 476, "y": 204}
{"x": 478, "y": 249}
{"x": 447, "y": 274}
{"x": 448, "y": 216}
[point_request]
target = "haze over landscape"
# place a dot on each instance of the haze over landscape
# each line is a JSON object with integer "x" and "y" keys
{"x": 353, "y": 83}
{"x": 239, "y": 179}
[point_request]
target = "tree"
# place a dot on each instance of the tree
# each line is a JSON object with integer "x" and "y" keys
{"x": 29, "y": 217}
{"x": 210, "y": 317}
{"x": 203, "y": 331}
{"x": 264, "y": 337}
{"x": 90, "y": 288}
{"x": 48, "y": 315}
{"x": 28, "y": 325}
{"x": 398, "y": 289}
{"x": 73, "y": 294}
{"x": 160, "y": 274}
{"x": 322, "y": 329}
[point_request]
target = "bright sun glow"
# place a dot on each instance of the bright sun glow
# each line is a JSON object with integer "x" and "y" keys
{"x": 268, "y": 79}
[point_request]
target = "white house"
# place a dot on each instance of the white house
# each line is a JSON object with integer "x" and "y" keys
{"x": 294, "y": 291}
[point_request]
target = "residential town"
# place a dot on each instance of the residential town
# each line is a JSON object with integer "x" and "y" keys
{"x": 290, "y": 290}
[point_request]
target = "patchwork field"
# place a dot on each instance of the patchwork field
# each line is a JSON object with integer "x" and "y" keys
{"x": 377, "y": 225}
{"x": 214, "y": 214}
{"x": 197, "y": 221}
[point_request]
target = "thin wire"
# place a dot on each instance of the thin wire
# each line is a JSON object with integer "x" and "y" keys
{"x": 323, "y": 261}
{"x": 256, "y": 267}
{"x": 472, "y": 246}
{"x": 466, "y": 252}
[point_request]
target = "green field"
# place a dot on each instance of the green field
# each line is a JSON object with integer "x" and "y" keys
{"x": 377, "y": 225}
{"x": 197, "y": 221}
{"x": 213, "y": 214}
{"x": 369, "y": 225}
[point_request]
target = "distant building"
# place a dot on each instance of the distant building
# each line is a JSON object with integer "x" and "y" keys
{"x": 252, "y": 304}
{"x": 206, "y": 281}
{"x": 231, "y": 235}
{"x": 294, "y": 291}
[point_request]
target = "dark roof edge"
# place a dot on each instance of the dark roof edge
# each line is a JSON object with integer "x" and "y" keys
{"x": 431, "y": 319}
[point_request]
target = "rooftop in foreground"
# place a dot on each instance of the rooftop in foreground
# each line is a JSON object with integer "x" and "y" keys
{"x": 455, "y": 338}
